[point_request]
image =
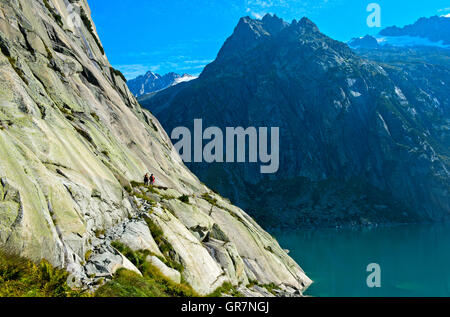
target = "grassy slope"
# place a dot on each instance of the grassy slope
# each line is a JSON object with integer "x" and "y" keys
{"x": 23, "y": 278}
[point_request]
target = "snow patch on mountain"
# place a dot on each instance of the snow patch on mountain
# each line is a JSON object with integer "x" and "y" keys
{"x": 151, "y": 82}
{"x": 405, "y": 41}
{"x": 183, "y": 79}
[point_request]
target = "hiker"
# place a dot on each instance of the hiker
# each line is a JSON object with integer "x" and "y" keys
{"x": 152, "y": 180}
{"x": 146, "y": 179}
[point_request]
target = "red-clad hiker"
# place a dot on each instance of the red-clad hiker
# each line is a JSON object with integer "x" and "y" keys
{"x": 152, "y": 180}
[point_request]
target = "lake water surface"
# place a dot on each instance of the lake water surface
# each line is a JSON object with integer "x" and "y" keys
{"x": 414, "y": 259}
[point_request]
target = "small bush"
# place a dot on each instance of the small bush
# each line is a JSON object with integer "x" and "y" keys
{"x": 184, "y": 199}
{"x": 100, "y": 232}
{"x": 128, "y": 189}
{"x": 95, "y": 116}
{"x": 87, "y": 256}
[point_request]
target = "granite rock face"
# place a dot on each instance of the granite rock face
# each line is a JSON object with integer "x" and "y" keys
{"x": 73, "y": 138}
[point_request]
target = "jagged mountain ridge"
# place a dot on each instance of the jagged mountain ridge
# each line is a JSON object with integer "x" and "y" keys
{"x": 433, "y": 31}
{"x": 436, "y": 29}
{"x": 72, "y": 140}
{"x": 151, "y": 82}
{"x": 359, "y": 144}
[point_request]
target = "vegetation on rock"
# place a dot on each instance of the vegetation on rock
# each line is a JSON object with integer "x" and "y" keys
{"x": 20, "y": 277}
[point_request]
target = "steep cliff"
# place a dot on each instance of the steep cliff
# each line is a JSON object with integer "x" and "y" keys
{"x": 73, "y": 143}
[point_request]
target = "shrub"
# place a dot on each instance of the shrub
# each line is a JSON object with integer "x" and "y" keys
{"x": 20, "y": 277}
{"x": 87, "y": 256}
{"x": 128, "y": 189}
{"x": 95, "y": 116}
{"x": 184, "y": 199}
{"x": 99, "y": 232}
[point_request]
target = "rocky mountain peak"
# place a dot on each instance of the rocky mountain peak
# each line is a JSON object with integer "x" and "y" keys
{"x": 273, "y": 24}
{"x": 343, "y": 119}
{"x": 151, "y": 82}
{"x": 367, "y": 41}
{"x": 306, "y": 24}
{"x": 251, "y": 32}
{"x": 151, "y": 74}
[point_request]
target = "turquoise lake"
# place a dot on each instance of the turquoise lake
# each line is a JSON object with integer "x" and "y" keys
{"x": 414, "y": 259}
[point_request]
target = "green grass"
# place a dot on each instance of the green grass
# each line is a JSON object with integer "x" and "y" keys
{"x": 167, "y": 197}
{"x": 226, "y": 288}
{"x": 135, "y": 257}
{"x": 146, "y": 198}
{"x": 151, "y": 284}
{"x": 151, "y": 188}
{"x": 20, "y": 277}
{"x": 158, "y": 235}
{"x": 210, "y": 199}
{"x": 269, "y": 287}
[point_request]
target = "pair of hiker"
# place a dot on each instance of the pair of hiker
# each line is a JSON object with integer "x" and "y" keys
{"x": 149, "y": 179}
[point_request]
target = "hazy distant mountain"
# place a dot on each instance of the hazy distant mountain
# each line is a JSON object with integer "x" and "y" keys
{"x": 433, "y": 31}
{"x": 361, "y": 141}
{"x": 151, "y": 82}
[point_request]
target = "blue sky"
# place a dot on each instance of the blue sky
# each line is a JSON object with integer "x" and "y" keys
{"x": 185, "y": 35}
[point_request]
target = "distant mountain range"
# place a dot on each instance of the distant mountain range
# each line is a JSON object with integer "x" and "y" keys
{"x": 151, "y": 82}
{"x": 364, "y": 137}
{"x": 433, "y": 31}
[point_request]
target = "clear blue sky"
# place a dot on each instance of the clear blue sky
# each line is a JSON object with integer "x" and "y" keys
{"x": 185, "y": 35}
